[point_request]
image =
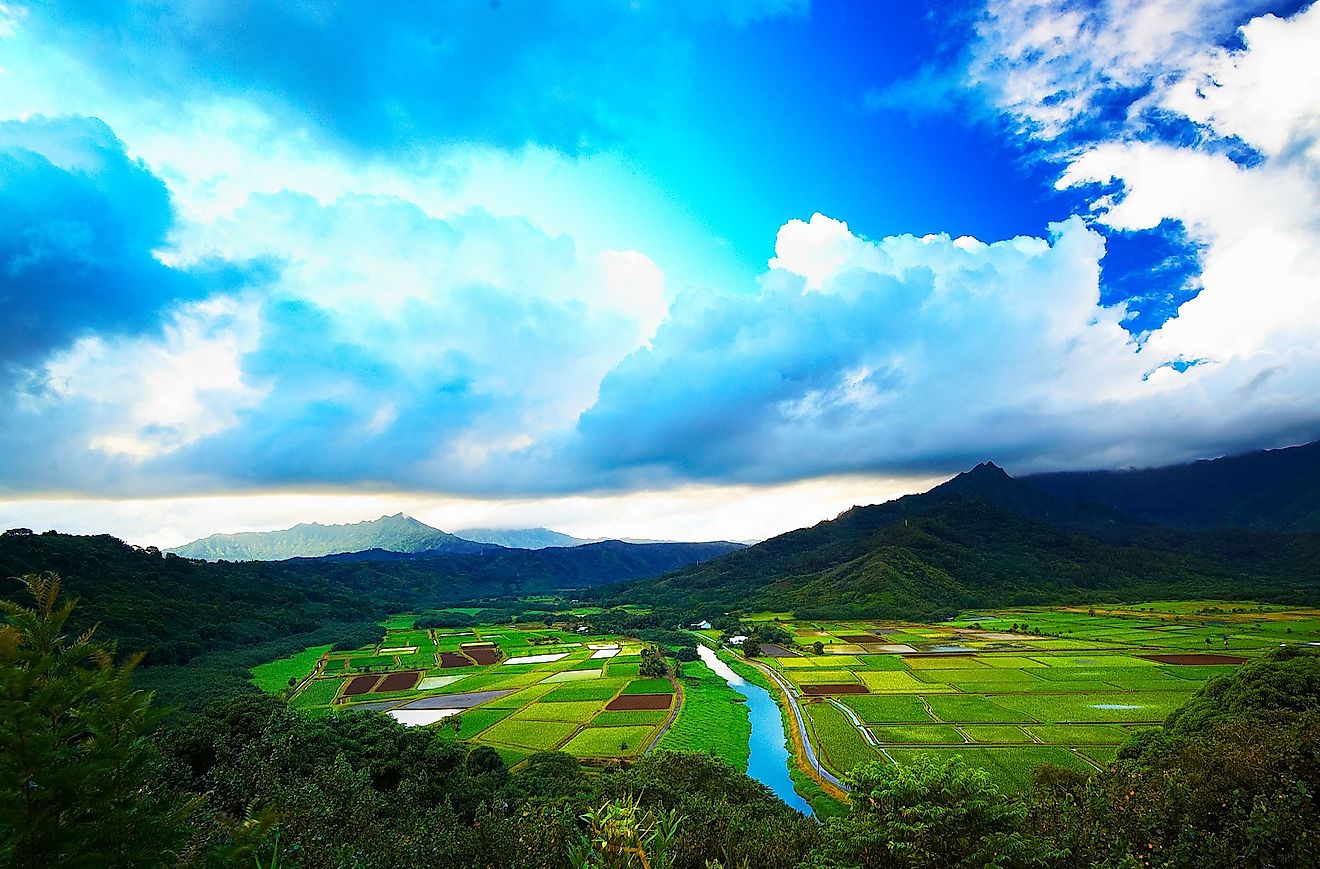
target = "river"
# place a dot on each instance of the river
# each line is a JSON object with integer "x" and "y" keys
{"x": 769, "y": 754}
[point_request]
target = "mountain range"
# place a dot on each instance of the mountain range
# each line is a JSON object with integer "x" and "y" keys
{"x": 387, "y": 537}
{"x": 985, "y": 539}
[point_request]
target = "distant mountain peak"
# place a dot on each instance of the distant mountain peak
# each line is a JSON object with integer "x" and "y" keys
{"x": 395, "y": 533}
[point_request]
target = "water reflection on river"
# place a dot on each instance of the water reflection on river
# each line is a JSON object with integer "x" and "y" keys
{"x": 769, "y": 755}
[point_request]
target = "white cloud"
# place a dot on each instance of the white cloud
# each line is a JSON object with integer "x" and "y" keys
{"x": 1259, "y": 223}
{"x": 1051, "y": 63}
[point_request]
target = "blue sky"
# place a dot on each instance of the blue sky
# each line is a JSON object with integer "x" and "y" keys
{"x": 657, "y": 269}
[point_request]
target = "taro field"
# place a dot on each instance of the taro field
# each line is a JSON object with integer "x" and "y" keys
{"x": 1011, "y": 689}
{"x": 518, "y": 690}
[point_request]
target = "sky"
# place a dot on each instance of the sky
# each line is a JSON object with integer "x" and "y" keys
{"x": 673, "y": 269}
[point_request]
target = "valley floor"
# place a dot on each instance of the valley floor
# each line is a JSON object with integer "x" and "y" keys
{"x": 1007, "y": 690}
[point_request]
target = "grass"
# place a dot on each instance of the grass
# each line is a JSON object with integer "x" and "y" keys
{"x": 883, "y": 682}
{"x": 1010, "y": 767}
{"x": 891, "y": 708}
{"x": 610, "y": 741}
{"x": 649, "y": 686}
{"x": 841, "y": 745}
{"x": 711, "y": 719}
{"x": 640, "y": 716}
{"x": 973, "y": 708}
{"x": 1087, "y": 708}
{"x": 598, "y": 690}
{"x": 920, "y": 733}
{"x": 535, "y": 735}
{"x": 579, "y": 711}
{"x": 319, "y": 692}
{"x": 274, "y": 676}
{"x": 996, "y": 733}
{"x": 473, "y": 721}
{"x": 1073, "y": 734}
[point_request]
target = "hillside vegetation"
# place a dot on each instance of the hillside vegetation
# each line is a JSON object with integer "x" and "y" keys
{"x": 985, "y": 539}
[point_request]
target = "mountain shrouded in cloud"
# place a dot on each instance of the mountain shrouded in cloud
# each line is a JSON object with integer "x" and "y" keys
{"x": 231, "y": 267}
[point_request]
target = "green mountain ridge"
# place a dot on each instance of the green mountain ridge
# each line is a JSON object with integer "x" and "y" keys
{"x": 986, "y": 539}
{"x": 1275, "y": 490}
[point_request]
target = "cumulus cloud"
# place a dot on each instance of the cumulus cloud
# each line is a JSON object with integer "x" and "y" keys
{"x": 79, "y": 221}
{"x": 1053, "y": 65}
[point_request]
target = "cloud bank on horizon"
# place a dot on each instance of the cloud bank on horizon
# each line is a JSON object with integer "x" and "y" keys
{"x": 473, "y": 249}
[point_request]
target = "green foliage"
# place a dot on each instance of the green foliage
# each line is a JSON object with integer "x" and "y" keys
{"x": 620, "y": 834}
{"x": 926, "y": 814}
{"x": 273, "y": 676}
{"x": 984, "y": 540}
{"x": 653, "y": 663}
{"x": 711, "y": 718}
{"x": 76, "y": 766}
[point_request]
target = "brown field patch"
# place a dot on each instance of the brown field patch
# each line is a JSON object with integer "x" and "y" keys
{"x": 837, "y": 688}
{"x": 637, "y": 702}
{"x": 482, "y": 653}
{"x": 449, "y": 660}
{"x": 860, "y": 638}
{"x": 399, "y": 681}
{"x": 1194, "y": 658}
{"x": 359, "y": 685}
{"x": 771, "y": 650}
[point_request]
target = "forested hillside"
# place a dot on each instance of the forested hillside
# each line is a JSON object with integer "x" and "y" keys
{"x": 985, "y": 539}
{"x": 176, "y": 608}
{"x": 1276, "y": 490}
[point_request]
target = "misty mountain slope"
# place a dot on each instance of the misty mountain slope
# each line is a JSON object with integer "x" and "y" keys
{"x": 521, "y": 538}
{"x": 959, "y": 546}
{"x": 397, "y": 533}
{"x": 1276, "y": 490}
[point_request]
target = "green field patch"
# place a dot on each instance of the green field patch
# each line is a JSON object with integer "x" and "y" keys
{"x": 1011, "y": 662}
{"x": 574, "y": 676}
{"x": 988, "y": 675}
{"x": 1039, "y": 687}
{"x": 1198, "y": 672}
{"x": 417, "y": 660}
{"x": 1095, "y": 662}
{"x": 319, "y": 692}
{"x": 521, "y": 698}
{"x": 1101, "y": 754}
{"x": 535, "y": 735}
{"x": 841, "y": 744}
{"x": 640, "y": 717}
{"x": 1079, "y": 674}
{"x": 1087, "y": 708}
{"x": 887, "y": 708}
{"x": 821, "y": 661}
{"x": 972, "y": 708}
{"x": 711, "y": 718}
{"x": 940, "y": 662}
{"x": 622, "y": 668}
{"x": 610, "y": 741}
{"x": 1075, "y": 734}
{"x": 917, "y": 733}
{"x": 814, "y": 676}
{"x": 995, "y": 733}
{"x": 885, "y": 682}
{"x": 601, "y": 689}
{"x": 883, "y": 662}
{"x": 579, "y": 711}
{"x": 649, "y": 686}
{"x": 1010, "y": 767}
{"x": 274, "y": 676}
